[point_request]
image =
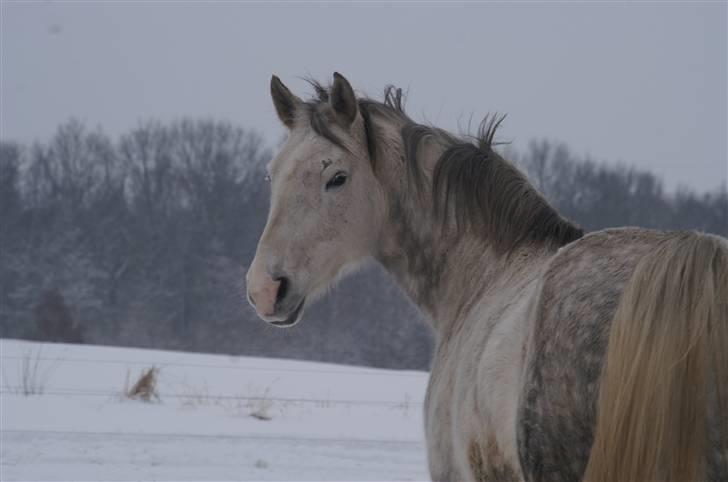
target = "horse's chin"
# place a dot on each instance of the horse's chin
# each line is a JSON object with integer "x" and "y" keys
{"x": 293, "y": 318}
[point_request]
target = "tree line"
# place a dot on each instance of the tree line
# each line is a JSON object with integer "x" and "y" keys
{"x": 144, "y": 240}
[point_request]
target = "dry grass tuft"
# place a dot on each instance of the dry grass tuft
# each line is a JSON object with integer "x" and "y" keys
{"x": 145, "y": 388}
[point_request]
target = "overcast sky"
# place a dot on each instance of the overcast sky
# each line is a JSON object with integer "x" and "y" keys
{"x": 641, "y": 83}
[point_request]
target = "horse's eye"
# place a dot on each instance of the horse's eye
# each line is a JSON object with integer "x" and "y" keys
{"x": 337, "y": 181}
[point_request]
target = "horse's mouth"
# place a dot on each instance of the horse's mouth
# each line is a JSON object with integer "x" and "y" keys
{"x": 292, "y": 318}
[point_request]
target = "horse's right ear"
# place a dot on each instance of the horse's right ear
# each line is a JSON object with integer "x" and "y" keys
{"x": 286, "y": 103}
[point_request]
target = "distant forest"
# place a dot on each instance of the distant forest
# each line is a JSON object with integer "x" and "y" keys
{"x": 144, "y": 241}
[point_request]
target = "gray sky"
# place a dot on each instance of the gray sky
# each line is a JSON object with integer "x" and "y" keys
{"x": 641, "y": 83}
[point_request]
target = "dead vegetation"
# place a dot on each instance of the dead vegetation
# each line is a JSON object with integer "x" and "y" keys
{"x": 260, "y": 407}
{"x": 32, "y": 374}
{"x": 145, "y": 388}
{"x": 255, "y": 402}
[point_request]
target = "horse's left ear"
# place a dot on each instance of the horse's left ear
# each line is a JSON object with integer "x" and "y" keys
{"x": 285, "y": 102}
{"x": 343, "y": 100}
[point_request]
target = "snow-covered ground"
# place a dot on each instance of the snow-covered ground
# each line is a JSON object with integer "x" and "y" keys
{"x": 326, "y": 422}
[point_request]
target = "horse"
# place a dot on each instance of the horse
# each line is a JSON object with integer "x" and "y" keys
{"x": 560, "y": 355}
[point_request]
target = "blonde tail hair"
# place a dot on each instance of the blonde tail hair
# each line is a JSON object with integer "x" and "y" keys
{"x": 666, "y": 363}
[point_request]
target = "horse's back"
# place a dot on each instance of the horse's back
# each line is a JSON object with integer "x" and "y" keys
{"x": 579, "y": 295}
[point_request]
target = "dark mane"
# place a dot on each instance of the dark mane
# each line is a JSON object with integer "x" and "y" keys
{"x": 486, "y": 193}
{"x": 471, "y": 181}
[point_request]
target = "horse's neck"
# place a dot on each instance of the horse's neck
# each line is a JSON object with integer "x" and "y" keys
{"x": 444, "y": 274}
{"x": 447, "y": 277}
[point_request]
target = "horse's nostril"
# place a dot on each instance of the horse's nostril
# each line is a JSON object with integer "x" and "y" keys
{"x": 282, "y": 289}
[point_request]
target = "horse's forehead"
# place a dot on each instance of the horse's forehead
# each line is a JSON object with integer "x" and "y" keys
{"x": 299, "y": 152}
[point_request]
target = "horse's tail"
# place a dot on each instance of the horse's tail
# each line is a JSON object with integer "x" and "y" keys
{"x": 666, "y": 363}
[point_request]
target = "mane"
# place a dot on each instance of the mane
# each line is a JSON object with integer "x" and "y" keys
{"x": 471, "y": 182}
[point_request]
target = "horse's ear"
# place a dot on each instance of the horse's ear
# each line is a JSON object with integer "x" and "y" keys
{"x": 343, "y": 100}
{"x": 286, "y": 103}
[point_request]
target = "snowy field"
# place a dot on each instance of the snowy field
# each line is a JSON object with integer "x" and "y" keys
{"x": 217, "y": 417}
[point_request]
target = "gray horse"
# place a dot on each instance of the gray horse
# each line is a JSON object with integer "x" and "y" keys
{"x": 559, "y": 356}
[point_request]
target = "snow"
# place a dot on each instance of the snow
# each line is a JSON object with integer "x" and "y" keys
{"x": 327, "y": 422}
